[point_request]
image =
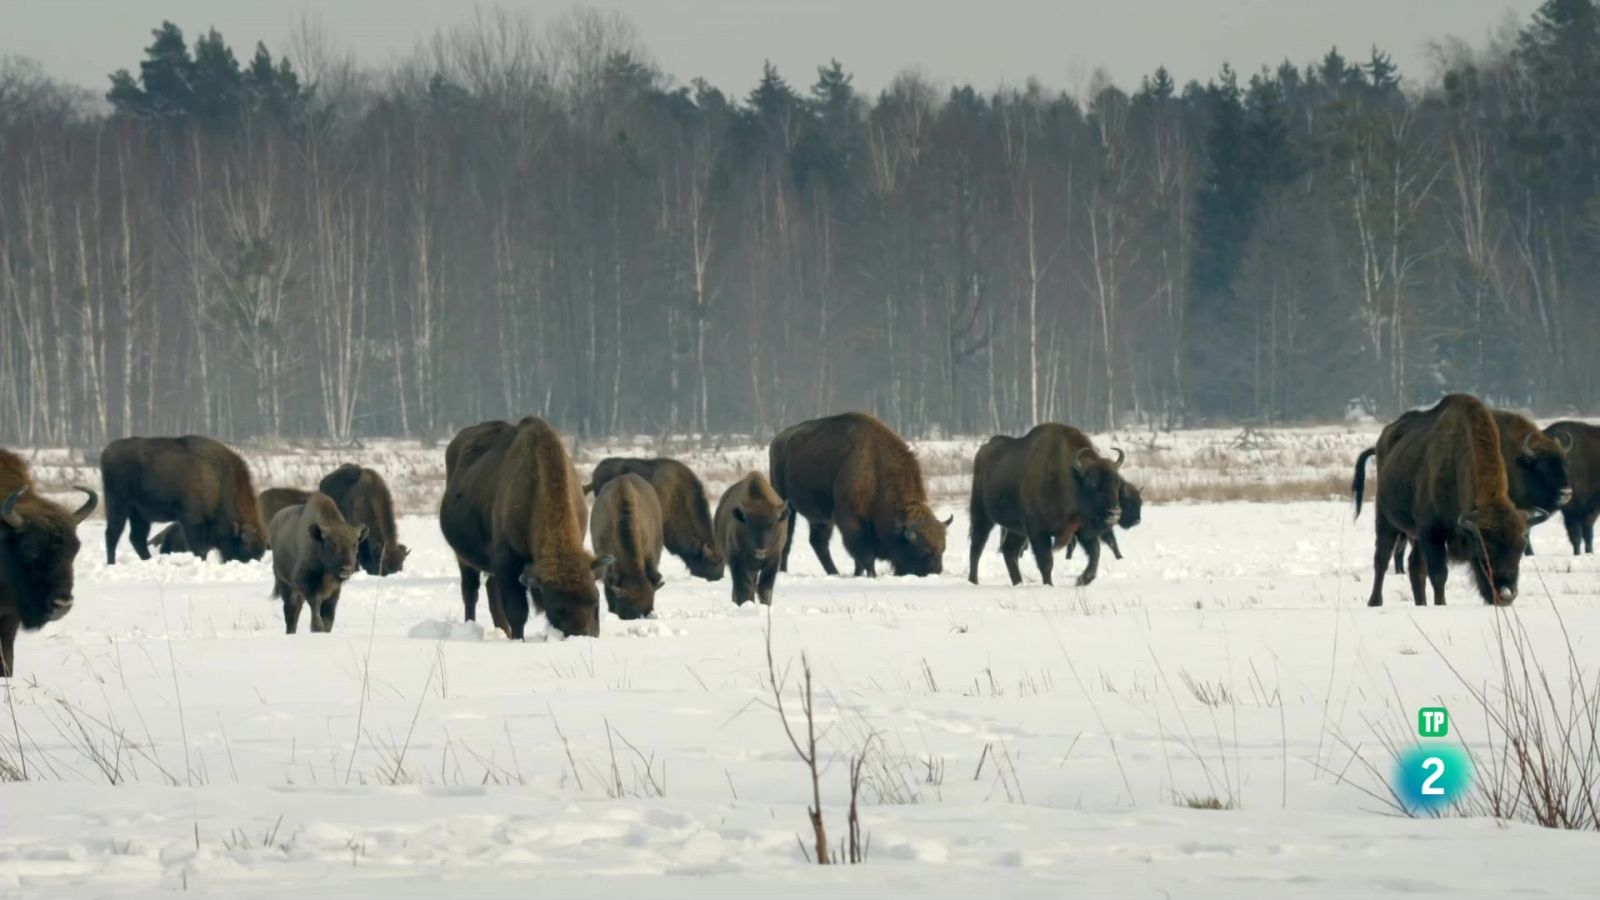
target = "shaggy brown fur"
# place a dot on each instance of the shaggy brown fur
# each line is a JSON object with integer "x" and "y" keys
{"x": 626, "y": 524}
{"x": 686, "y": 517}
{"x": 1132, "y": 504}
{"x": 171, "y": 539}
{"x": 513, "y": 510}
{"x": 313, "y": 555}
{"x": 853, "y": 472}
{"x": 1442, "y": 483}
{"x": 194, "y": 481}
{"x": 1043, "y": 489}
{"x": 1583, "y": 460}
{"x": 363, "y": 498}
{"x": 752, "y": 529}
{"x": 38, "y": 544}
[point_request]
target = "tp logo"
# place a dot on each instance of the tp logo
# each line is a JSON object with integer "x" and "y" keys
{"x": 1430, "y": 778}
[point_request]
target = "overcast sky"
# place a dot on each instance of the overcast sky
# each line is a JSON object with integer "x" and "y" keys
{"x": 987, "y": 43}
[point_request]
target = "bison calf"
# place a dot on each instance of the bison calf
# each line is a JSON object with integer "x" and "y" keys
{"x": 626, "y": 524}
{"x": 752, "y": 527}
{"x": 38, "y": 543}
{"x": 313, "y": 555}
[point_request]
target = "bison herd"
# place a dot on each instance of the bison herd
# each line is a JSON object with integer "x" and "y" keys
{"x": 1458, "y": 482}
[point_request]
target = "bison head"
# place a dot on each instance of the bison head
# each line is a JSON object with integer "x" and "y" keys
{"x": 1541, "y": 474}
{"x": 391, "y": 559}
{"x": 629, "y": 596}
{"x": 760, "y": 533}
{"x": 37, "y": 549}
{"x": 705, "y": 561}
{"x": 244, "y": 542}
{"x": 1492, "y": 537}
{"x": 1099, "y": 488}
{"x": 569, "y": 600}
{"x": 918, "y": 547}
{"x": 336, "y": 545}
{"x": 1132, "y": 506}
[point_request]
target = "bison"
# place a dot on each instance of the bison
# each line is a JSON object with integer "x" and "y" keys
{"x": 1442, "y": 483}
{"x": 1042, "y": 489}
{"x": 686, "y": 516}
{"x": 1536, "y": 469}
{"x": 313, "y": 555}
{"x": 626, "y": 524}
{"x": 38, "y": 544}
{"x": 1132, "y": 504}
{"x": 752, "y": 529}
{"x": 1582, "y": 443}
{"x": 853, "y": 472}
{"x": 193, "y": 481}
{"x": 363, "y": 499}
{"x": 513, "y": 510}
{"x": 171, "y": 539}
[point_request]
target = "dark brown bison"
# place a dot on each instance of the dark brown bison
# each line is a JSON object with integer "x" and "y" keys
{"x": 513, "y": 510}
{"x": 38, "y": 544}
{"x": 1132, "y": 504}
{"x": 686, "y": 516}
{"x": 1536, "y": 470}
{"x": 1582, "y": 443}
{"x": 1042, "y": 489}
{"x": 1442, "y": 483}
{"x": 193, "y": 481}
{"x": 171, "y": 539}
{"x": 363, "y": 499}
{"x": 626, "y": 524}
{"x": 313, "y": 555}
{"x": 853, "y": 472}
{"x": 752, "y": 530}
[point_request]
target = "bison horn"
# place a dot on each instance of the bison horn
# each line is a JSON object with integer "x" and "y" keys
{"x": 599, "y": 566}
{"x": 88, "y": 506}
{"x": 1564, "y": 438}
{"x": 1537, "y": 515}
{"x": 1464, "y": 521}
{"x": 948, "y": 520}
{"x": 1120, "y": 457}
{"x": 1527, "y": 444}
{"x": 8, "y": 509}
{"x": 1077, "y": 458}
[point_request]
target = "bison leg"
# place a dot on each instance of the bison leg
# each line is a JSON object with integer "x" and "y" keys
{"x": 330, "y": 607}
{"x": 858, "y": 543}
{"x": 744, "y": 583}
{"x": 982, "y": 525}
{"x": 1091, "y": 548}
{"x": 1588, "y": 532}
{"x": 1111, "y": 541}
{"x": 139, "y": 534}
{"x": 1388, "y": 535}
{"x": 1400, "y": 555}
{"x": 470, "y": 579}
{"x": 1573, "y": 523}
{"x": 788, "y": 538}
{"x": 1419, "y": 573}
{"x": 1011, "y": 544}
{"x": 497, "y": 612}
{"x": 1043, "y": 546}
{"x": 116, "y": 518}
{"x": 821, "y": 537}
{"x": 8, "y": 645}
{"x": 318, "y": 626}
{"x": 1433, "y": 556}
{"x": 292, "y": 602}
{"x": 513, "y": 598}
{"x": 1072, "y": 544}
{"x": 768, "y": 580}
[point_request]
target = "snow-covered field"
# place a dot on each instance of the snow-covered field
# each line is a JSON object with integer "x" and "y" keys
{"x": 1025, "y": 741}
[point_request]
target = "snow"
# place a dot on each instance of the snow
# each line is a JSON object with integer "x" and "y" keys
{"x": 1028, "y": 741}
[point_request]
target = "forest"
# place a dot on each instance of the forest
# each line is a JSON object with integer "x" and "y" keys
{"x": 529, "y": 217}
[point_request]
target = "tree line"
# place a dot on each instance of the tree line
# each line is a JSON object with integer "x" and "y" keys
{"x": 522, "y": 219}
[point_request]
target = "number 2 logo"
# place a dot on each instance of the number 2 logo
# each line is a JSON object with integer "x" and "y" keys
{"x": 1435, "y": 765}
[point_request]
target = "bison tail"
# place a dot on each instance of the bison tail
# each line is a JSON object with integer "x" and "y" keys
{"x": 1359, "y": 486}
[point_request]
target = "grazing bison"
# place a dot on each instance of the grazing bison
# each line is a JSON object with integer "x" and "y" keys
{"x": 171, "y": 539}
{"x": 626, "y": 524}
{"x": 1442, "y": 483}
{"x": 686, "y": 517}
{"x": 1536, "y": 469}
{"x": 38, "y": 543}
{"x": 752, "y": 530}
{"x": 1132, "y": 504}
{"x": 313, "y": 555}
{"x": 1043, "y": 489}
{"x": 853, "y": 472}
{"x": 513, "y": 510}
{"x": 193, "y": 481}
{"x": 1582, "y": 443}
{"x": 363, "y": 499}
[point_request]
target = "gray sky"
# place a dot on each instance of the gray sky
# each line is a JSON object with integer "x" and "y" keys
{"x": 987, "y": 43}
